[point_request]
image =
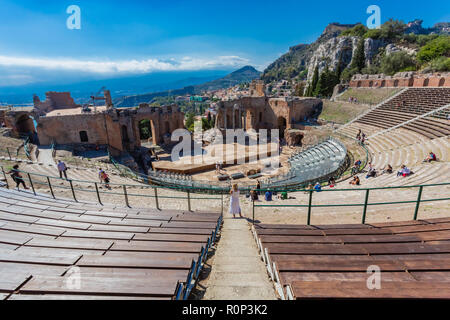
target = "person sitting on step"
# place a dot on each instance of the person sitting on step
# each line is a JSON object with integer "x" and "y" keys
{"x": 388, "y": 169}
{"x": 372, "y": 172}
{"x": 431, "y": 157}
{"x": 355, "y": 181}
{"x": 404, "y": 171}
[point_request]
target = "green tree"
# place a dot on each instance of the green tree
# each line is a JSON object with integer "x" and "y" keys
{"x": 436, "y": 48}
{"x": 327, "y": 81}
{"x": 190, "y": 119}
{"x": 396, "y": 62}
{"x": 359, "y": 59}
{"x": 312, "y": 86}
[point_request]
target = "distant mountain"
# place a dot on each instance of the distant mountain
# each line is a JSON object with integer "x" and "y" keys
{"x": 245, "y": 74}
{"x": 82, "y": 89}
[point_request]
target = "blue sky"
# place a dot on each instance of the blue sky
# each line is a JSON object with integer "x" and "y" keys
{"x": 127, "y": 37}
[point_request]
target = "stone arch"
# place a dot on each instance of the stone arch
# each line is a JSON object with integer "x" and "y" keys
{"x": 426, "y": 82}
{"x": 358, "y": 84}
{"x": 383, "y": 83}
{"x": 441, "y": 82}
{"x": 146, "y": 130}
{"x": 281, "y": 125}
{"x": 24, "y": 125}
{"x": 370, "y": 83}
{"x": 396, "y": 83}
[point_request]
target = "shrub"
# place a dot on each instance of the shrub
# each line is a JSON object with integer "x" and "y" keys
{"x": 397, "y": 61}
{"x": 434, "y": 49}
{"x": 359, "y": 31}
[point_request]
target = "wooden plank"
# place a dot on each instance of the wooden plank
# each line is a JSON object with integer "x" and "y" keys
{"x": 115, "y": 228}
{"x": 15, "y": 238}
{"x": 359, "y": 290}
{"x": 98, "y": 235}
{"x": 63, "y": 224}
{"x": 289, "y": 277}
{"x": 292, "y": 232}
{"x": 193, "y": 225}
{"x": 102, "y": 286}
{"x": 338, "y": 265}
{"x": 420, "y": 228}
{"x": 48, "y": 259}
{"x": 11, "y": 247}
{"x": 432, "y": 236}
{"x": 27, "y": 269}
{"x": 39, "y": 214}
{"x": 107, "y": 214}
{"x": 10, "y": 281}
{"x": 3, "y": 295}
{"x": 430, "y": 276}
{"x": 155, "y": 260}
{"x": 157, "y": 246}
{"x": 56, "y": 251}
{"x": 181, "y": 275}
{"x": 398, "y": 223}
{"x": 171, "y": 237}
{"x": 4, "y": 216}
{"x": 72, "y": 243}
{"x": 262, "y": 226}
{"x": 339, "y": 239}
{"x": 48, "y": 231}
{"x": 314, "y": 248}
{"x": 136, "y": 223}
{"x": 87, "y": 219}
{"x": 181, "y": 231}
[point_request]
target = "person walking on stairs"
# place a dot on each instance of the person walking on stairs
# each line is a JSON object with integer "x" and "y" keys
{"x": 235, "y": 208}
{"x": 17, "y": 177}
{"x": 62, "y": 168}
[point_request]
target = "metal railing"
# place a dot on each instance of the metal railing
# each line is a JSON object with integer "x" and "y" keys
{"x": 52, "y": 183}
{"x": 365, "y": 205}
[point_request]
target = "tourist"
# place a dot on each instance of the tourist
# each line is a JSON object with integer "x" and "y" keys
{"x": 217, "y": 168}
{"x": 284, "y": 195}
{"x": 104, "y": 178}
{"x": 17, "y": 177}
{"x": 431, "y": 157}
{"x": 355, "y": 168}
{"x": 258, "y": 187}
{"x": 254, "y": 195}
{"x": 404, "y": 172}
{"x": 318, "y": 187}
{"x": 234, "y": 201}
{"x": 358, "y": 136}
{"x": 268, "y": 195}
{"x": 388, "y": 169}
{"x": 372, "y": 172}
{"x": 355, "y": 181}
{"x": 331, "y": 182}
{"x": 62, "y": 168}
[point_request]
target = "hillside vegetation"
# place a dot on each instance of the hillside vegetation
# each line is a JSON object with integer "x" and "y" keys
{"x": 368, "y": 96}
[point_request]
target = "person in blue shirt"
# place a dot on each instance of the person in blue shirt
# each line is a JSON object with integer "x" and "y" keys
{"x": 318, "y": 187}
{"x": 268, "y": 195}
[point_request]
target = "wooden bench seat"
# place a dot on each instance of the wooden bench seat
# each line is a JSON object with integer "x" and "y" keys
{"x": 359, "y": 290}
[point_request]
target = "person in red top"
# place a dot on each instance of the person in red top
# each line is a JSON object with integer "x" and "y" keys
{"x": 431, "y": 157}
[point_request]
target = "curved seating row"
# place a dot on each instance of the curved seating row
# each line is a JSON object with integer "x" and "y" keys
{"x": 333, "y": 261}
{"x": 115, "y": 252}
{"x": 313, "y": 163}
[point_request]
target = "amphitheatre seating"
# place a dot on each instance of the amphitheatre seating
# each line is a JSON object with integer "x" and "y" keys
{"x": 331, "y": 261}
{"x": 117, "y": 252}
{"x": 315, "y": 162}
{"x": 408, "y": 105}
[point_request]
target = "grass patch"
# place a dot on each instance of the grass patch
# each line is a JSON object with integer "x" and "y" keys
{"x": 341, "y": 112}
{"x": 369, "y": 96}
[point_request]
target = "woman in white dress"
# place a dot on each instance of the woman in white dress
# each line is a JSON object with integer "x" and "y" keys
{"x": 234, "y": 201}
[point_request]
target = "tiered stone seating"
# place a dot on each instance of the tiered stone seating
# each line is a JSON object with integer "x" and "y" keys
{"x": 331, "y": 261}
{"x": 116, "y": 252}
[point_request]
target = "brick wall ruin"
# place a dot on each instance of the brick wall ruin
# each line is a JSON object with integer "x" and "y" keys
{"x": 402, "y": 79}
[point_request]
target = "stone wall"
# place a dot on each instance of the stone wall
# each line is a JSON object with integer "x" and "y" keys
{"x": 266, "y": 113}
{"x": 53, "y": 101}
{"x": 403, "y": 79}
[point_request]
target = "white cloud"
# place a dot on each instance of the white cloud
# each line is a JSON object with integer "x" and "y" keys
{"x": 124, "y": 66}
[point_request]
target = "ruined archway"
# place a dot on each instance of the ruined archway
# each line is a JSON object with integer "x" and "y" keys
{"x": 146, "y": 129}
{"x": 281, "y": 125}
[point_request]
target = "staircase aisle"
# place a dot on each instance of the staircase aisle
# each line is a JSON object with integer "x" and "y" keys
{"x": 237, "y": 269}
{"x": 45, "y": 155}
